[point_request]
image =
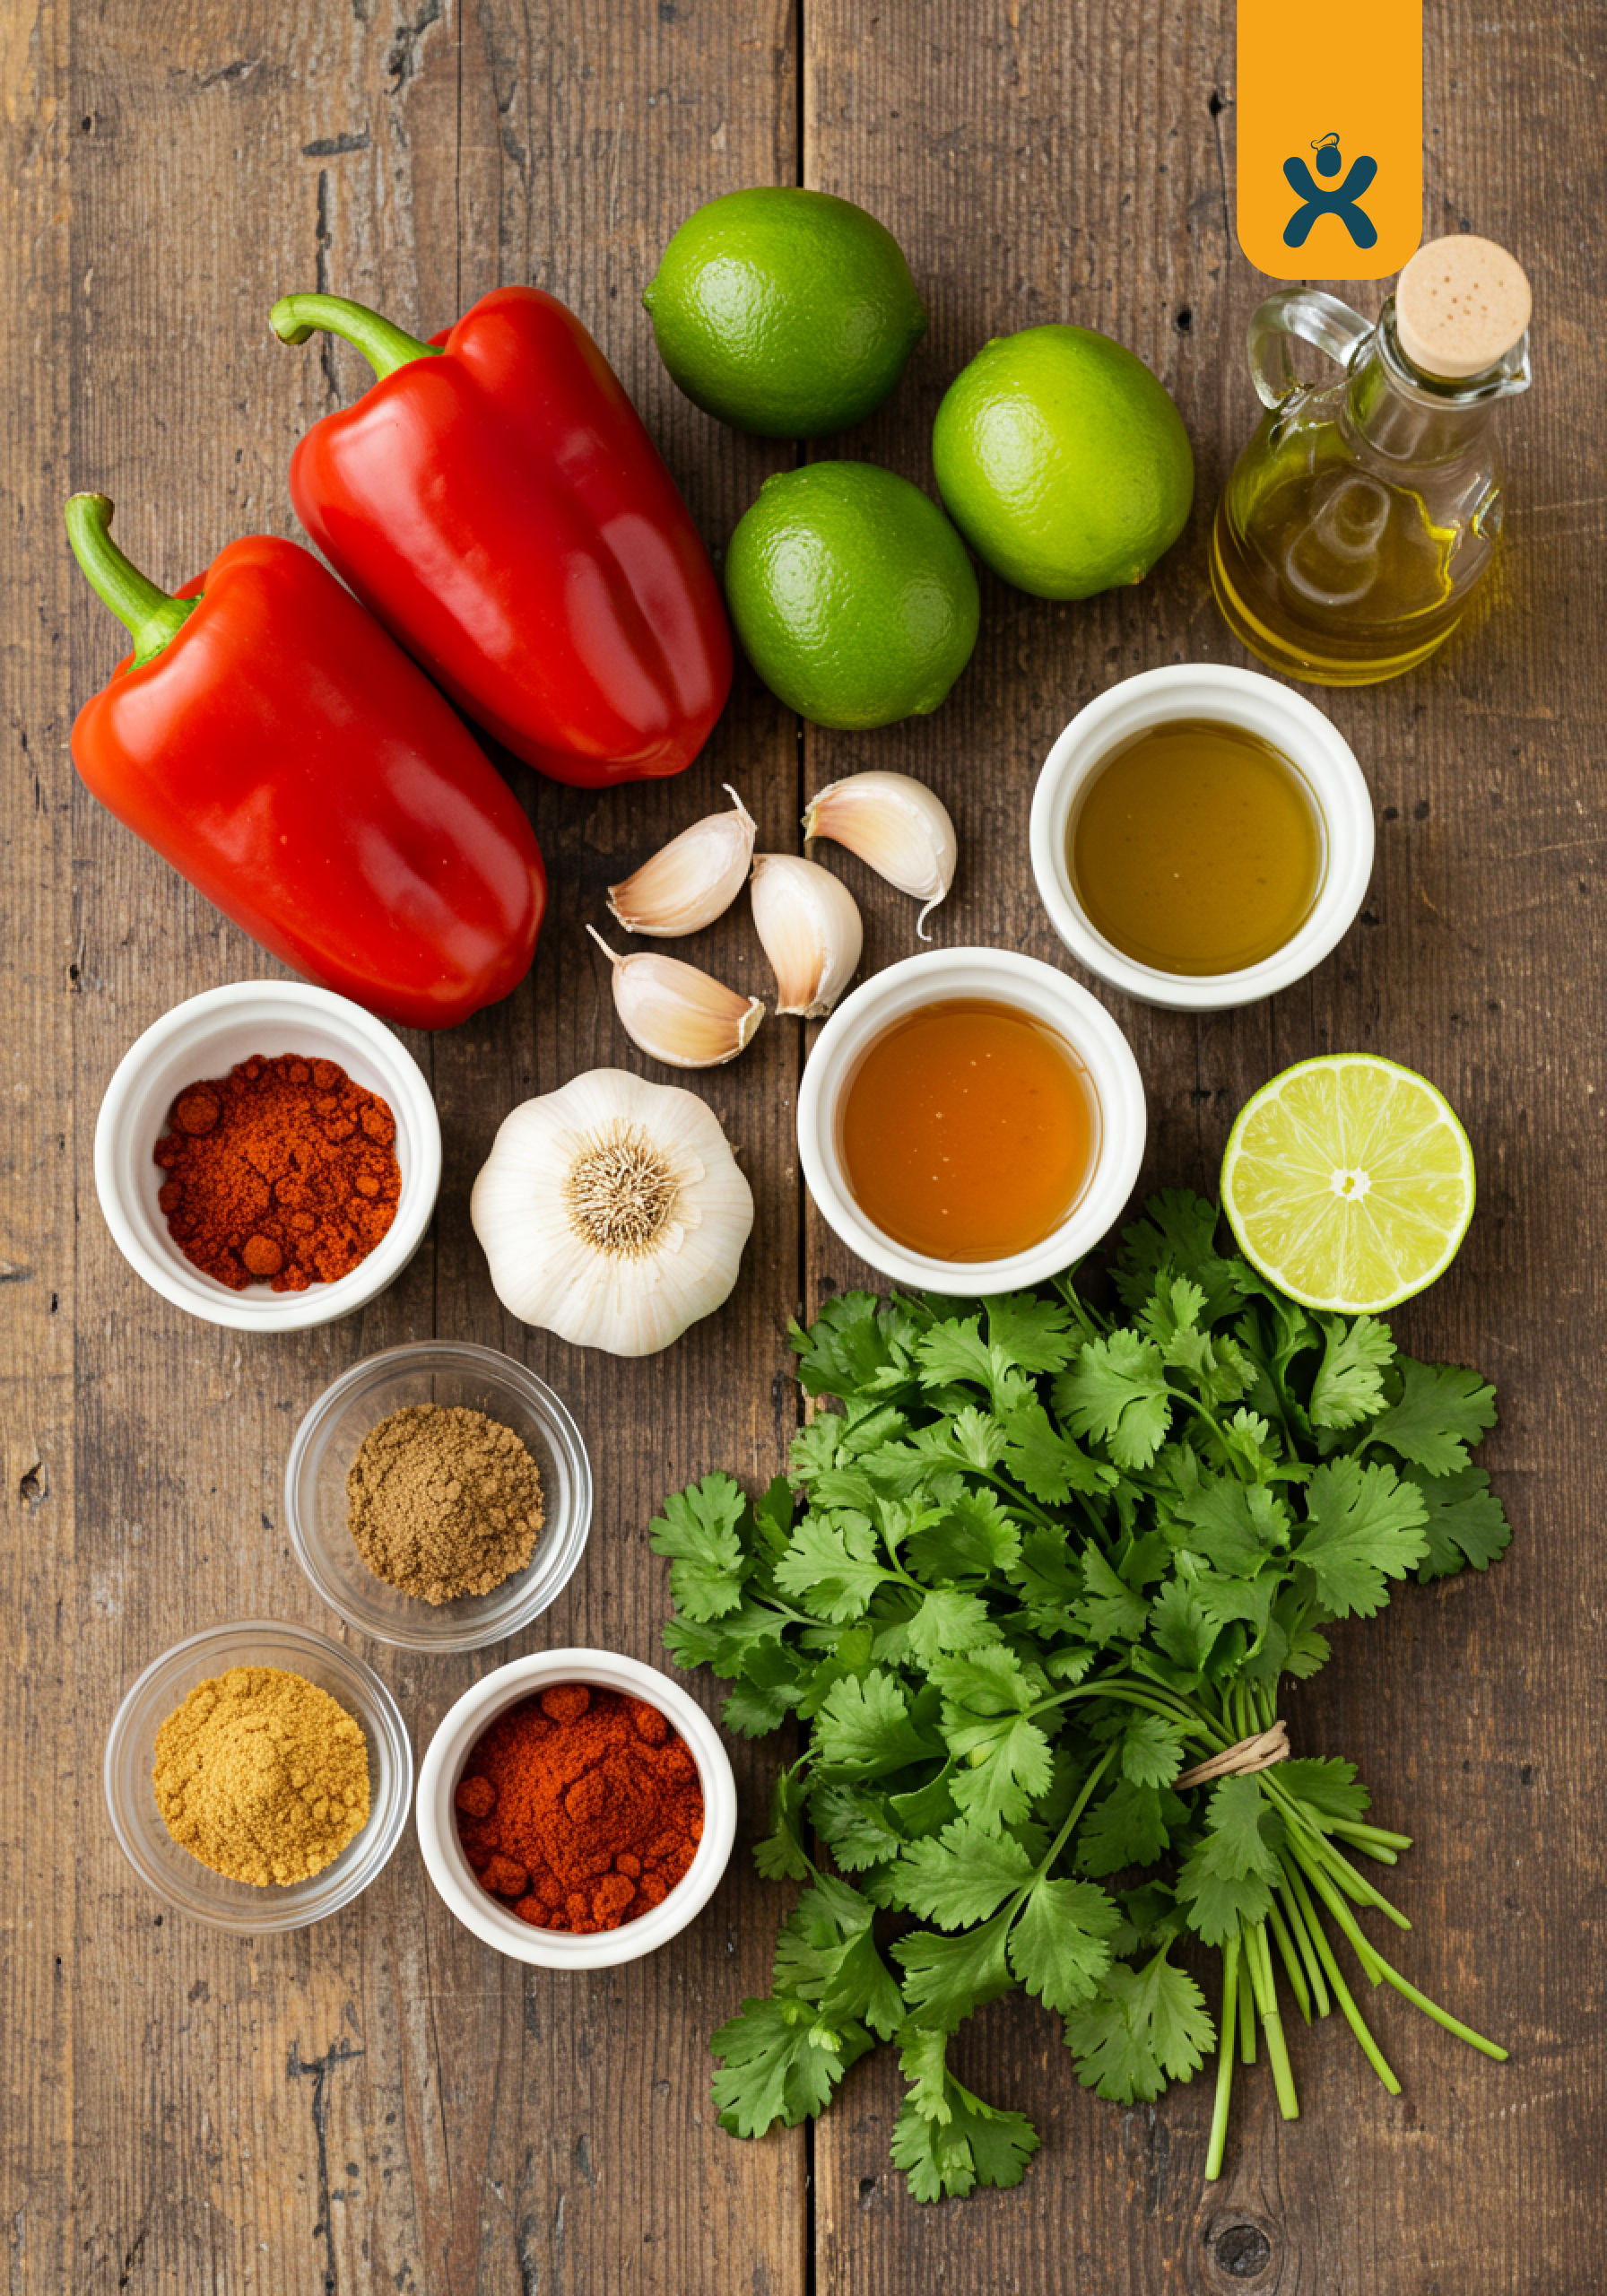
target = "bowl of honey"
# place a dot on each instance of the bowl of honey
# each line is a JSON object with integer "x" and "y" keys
{"x": 1202, "y": 837}
{"x": 971, "y": 1121}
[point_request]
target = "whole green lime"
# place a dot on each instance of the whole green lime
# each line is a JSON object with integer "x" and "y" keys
{"x": 1062, "y": 461}
{"x": 851, "y": 594}
{"x": 785, "y": 312}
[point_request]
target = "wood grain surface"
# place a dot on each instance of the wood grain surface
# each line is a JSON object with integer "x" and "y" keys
{"x": 378, "y": 2102}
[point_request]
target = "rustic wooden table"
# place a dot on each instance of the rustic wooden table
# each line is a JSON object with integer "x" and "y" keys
{"x": 379, "y": 2103}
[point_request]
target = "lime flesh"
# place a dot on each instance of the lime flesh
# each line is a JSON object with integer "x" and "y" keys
{"x": 1348, "y": 1181}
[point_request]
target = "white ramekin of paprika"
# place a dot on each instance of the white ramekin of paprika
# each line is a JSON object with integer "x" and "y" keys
{"x": 202, "y": 1040}
{"x": 447, "y": 1765}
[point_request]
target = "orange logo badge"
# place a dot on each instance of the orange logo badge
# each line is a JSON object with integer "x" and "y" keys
{"x": 1329, "y": 138}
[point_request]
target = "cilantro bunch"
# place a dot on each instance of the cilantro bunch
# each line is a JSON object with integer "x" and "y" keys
{"x": 1047, "y": 1561}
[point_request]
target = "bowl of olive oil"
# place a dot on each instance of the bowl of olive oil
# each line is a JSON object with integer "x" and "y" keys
{"x": 1202, "y": 837}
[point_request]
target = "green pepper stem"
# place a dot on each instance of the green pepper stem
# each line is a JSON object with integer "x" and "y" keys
{"x": 385, "y": 347}
{"x": 150, "y": 616}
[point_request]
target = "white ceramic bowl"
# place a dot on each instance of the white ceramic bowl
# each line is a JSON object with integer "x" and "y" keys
{"x": 1051, "y": 999}
{"x": 207, "y": 1037}
{"x": 443, "y": 1766}
{"x": 1280, "y": 717}
{"x": 475, "y": 1378}
{"x": 183, "y": 1879}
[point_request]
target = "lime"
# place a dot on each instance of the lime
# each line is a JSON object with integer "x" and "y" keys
{"x": 851, "y": 594}
{"x": 1062, "y": 461}
{"x": 785, "y": 312}
{"x": 1349, "y": 1182}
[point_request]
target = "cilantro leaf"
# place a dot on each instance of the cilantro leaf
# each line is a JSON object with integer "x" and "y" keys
{"x": 864, "y": 1729}
{"x": 827, "y": 1955}
{"x": 973, "y": 1537}
{"x": 948, "y": 1620}
{"x": 947, "y": 2141}
{"x": 1235, "y": 1525}
{"x": 1034, "y": 1334}
{"x": 1141, "y": 2029}
{"x": 1001, "y": 1768}
{"x": 1181, "y": 1627}
{"x": 697, "y": 1532}
{"x": 833, "y": 1565}
{"x": 1129, "y": 1825}
{"x": 857, "y": 1345}
{"x": 1329, "y": 1789}
{"x": 781, "y": 1855}
{"x": 852, "y": 1823}
{"x": 1151, "y": 1750}
{"x": 1349, "y": 1385}
{"x": 1116, "y": 1390}
{"x": 956, "y": 1352}
{"x": 946, "y": 1977}
{"x": 1364, "y": 1524}
{"x": 1226, "y": 1877}
{"x": 1179, "y": 1233}
{"x": 1059, "y": 1946}
{"x": 1465, "y": 1522}
{"x": 989, "y": 1681}
{"x": 1047, "y": 1463}
{"x": 1441, "y": 1410}
{"x": 1109, "y": 1611}
{"x": 781, "y": 2064}
{"x": 964, "y": 1875}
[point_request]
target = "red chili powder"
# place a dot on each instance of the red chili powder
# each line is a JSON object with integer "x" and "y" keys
{"x": 582, "y": 1806}
{"x": 283, "y": 1172}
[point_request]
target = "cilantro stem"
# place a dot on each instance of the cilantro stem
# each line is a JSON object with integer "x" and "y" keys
{"x": 1308, "y": 1953}
{"x": 1218, "y": 2144}
{"x": 1258, "y": 1960}
{"x": 1341, "y": 1991}
{"x": 1404, "y": 1985}
{"x": 1374, "y": 1839}
{"x": 1291, "y": 1959}
{"x": 1246, "y": 2022}
{"x": 1372, "y": 1968}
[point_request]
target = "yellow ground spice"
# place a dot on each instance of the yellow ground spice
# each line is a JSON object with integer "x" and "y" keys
{"x": 262, "y": 1776}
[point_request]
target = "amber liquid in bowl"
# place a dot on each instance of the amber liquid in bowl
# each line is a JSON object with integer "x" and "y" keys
{"x": 1196, "y": 848}
{"x": 968, "y": 1131}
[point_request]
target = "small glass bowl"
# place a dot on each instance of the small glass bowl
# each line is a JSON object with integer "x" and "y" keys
{"x": 183, "y": 1879}
{"x": 449, "y": 1372}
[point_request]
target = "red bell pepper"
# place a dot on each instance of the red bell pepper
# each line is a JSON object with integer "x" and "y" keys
{"x": 495, "y": 501}
{"x": 267, "y": 739}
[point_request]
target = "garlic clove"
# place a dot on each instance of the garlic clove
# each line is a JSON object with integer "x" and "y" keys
{"x": 681, "y": 1016}
{"x": 898, "y": 826}
{"x": 692, "y": 880}
{"x": 612, "y": 1212}
{"x": 809, "y": 924}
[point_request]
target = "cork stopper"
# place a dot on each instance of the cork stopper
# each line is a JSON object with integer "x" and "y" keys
{"x": 1460, "y": 306}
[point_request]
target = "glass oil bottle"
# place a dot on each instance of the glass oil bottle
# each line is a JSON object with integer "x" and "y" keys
{"x": 1365, "y": 513}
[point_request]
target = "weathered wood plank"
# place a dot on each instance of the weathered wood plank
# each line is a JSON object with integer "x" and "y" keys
{"x": 45, "y": 1795}
{"x": 380, "y": 2095}
{"x": 1040, "y": 164}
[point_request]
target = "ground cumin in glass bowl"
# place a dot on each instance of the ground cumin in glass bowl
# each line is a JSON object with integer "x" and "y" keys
{"x": 131, "y": 1797}
{"x": 475, "y": 1378}
{"x": 446, "y": 1762}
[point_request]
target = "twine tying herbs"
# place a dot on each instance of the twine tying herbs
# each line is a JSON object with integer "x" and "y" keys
{"x": 1242, "y": 1760}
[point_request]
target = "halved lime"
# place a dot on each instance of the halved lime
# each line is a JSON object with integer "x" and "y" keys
{"x": 1349, "y": 1182}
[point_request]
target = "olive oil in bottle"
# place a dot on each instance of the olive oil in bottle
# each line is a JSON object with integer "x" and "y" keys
{"x": 1196, "y": 848}
{"x": 1364, "y": 515}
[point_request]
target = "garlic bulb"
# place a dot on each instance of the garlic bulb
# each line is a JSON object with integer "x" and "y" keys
{"x": 898, "y": 825}
{"x": 810, "y": 926}
{"x": 612, "y": 1212}
{"x": 681, "y": 1016}
{"x": 693, "y": 880}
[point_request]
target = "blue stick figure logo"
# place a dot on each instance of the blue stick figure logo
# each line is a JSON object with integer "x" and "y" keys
{"x": 1343, "y": 202}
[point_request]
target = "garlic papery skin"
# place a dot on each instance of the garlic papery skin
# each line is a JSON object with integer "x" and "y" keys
{"x": 681, "y": 1016}
{"x": 692, "y": 880}
{"x": 897, "y": 825}
{"x": 809, "y": 924}
{"x": 612, "y": 1213}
